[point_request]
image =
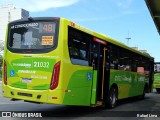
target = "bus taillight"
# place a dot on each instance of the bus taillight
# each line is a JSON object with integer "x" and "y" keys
{"x": 5, "y": 73}
{"x": 55, "y": 76}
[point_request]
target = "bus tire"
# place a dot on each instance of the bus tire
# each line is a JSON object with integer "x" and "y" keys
{"x": 113, "y": 97}
{"x": 158, "y": 90}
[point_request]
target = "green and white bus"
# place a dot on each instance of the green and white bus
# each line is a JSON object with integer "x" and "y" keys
{"x": 54, "y": 60}
{"x": 156, "y": 83}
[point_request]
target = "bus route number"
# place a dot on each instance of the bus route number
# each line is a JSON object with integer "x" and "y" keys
{"x": 48, "y": 27}
{"x": 41, "y": 64}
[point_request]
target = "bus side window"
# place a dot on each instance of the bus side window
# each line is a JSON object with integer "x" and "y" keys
{"x": 79, "y": 47}
{"x": 95, "y": 60}
{"x": 94, "y": 55}
{"x": 73, "y": 52}
{"x": 114, "y": 55}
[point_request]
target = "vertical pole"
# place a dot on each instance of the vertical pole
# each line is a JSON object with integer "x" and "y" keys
{"x": 104, "y": 62}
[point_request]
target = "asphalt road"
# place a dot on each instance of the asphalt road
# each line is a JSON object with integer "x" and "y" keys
{"x": 126, "y": 109}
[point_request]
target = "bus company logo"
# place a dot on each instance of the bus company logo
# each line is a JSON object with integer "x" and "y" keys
{"x": 27, "y": 65}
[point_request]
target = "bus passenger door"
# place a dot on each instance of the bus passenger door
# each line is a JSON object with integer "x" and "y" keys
{"x": 100, "y": 85}
{"x": 104, "y": 74}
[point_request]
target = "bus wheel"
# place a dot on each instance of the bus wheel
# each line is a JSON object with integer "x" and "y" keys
{"x": 158, "y": 90}
{"x": 113, "y": 97}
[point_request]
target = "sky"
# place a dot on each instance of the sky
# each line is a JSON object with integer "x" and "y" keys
{"x": 118, "y": 19}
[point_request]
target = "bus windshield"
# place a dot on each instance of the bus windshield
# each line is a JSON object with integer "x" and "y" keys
{"x": 32, "y": 35}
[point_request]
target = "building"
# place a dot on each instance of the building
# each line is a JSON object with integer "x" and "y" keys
{"x": 9, "y": 13}
{"x": 135, "y": 48}
{"x": 142, "y": 51}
